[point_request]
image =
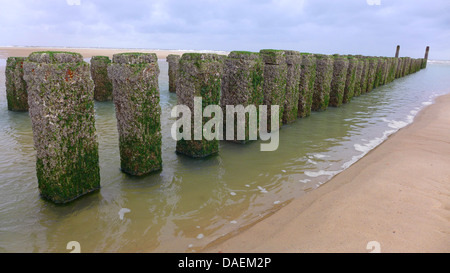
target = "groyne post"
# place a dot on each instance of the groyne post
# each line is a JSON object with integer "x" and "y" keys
{"x": 358, "y": 76}
{"x": 173, "y": 61}
{"x": 61, "y": 100}
{"x": 200, "y": 75}
{"x": 340, "y": 68}
{"x": 275, "y": 76}
{"x": 102, "y": 83}
{"x": 16, "y": 87}
{"x": 242, "y": 84}
{"x": 306, "y": 86}
{"x": 293, "y": 61}
{"x": 397, "y": 52}
{"x": 380, "y": 72}
{"x": 350, "y": 78}
{"x": 322, "y": 85}
{"x": 371, "y": 73}
{"x": 136, "y": 98}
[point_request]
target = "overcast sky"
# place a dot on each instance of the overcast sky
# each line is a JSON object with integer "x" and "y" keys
{"x": 317, "y": 26}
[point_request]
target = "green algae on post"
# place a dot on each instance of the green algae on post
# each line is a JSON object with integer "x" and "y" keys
{"x": 306, "y": 88}
{"x": 293, "y": 61}
{"x": 16, "y": 87}
{"x": 364, "y": 75}
{"x": 275, "y": 76}
{"x": 136, "y": 99}
{"x": 61, "y": 108}
{"x": 173, "y": 60}
{"x": 371, "y": 73}
{"x": 353, "y": 72}
{"x": 379, "y": 72}
{"x": 102, "y": 83}
{"x": 200, "y": 75}
{"x": 340, "y": 67}
{"x": 242, "y": 84}
{"x": 322, "y": 84}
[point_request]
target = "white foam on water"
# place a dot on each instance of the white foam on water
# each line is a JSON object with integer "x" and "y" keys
{"x": 233, "y": 222}
{"x": 312, "y": 162}
{"x": 233, "y": 193}
{"x": 122, "y": 211}
{"x": 283, "y": 171}
{"x": 304, "y": 180}
{"x": 320, "y": 156}
{"x": 263, "y": 190}
{"x": 321, "y": 173}
{"x": 200, "y": 236}
{"x": 425, "y": 103}
{"x": 276, "y": 202}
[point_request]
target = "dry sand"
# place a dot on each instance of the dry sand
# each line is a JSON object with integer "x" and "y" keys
{"x": 397, "y": 195}
{"x": 6, "y": 52}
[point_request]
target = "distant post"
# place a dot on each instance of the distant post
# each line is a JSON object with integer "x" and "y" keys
{"x": 16, "y": 87}
{"x": 173, "y": 60}
{"x": 61, "y": 99}
{"x": 425, "y": 60}
{"x": 397, "y": 52}
{"x": 99, "y": 73}
{"x": 136, "y": 99}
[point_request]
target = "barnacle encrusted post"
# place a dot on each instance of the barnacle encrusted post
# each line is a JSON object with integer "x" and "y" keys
{"x": 242, "y": 84}
{"x": 293, "y": 61}
{"x": 136, "y": 99}
{"x": 16, "y": 87}
{"x": 364, "y": 74}
{"x": 200, "y": 75}
{"x": 99, "y": 72}
{"x": 358, "y": 76}
{"x": 275, "y": 76}
{"x": 173, "y": 60}
{"x": 61, "y": 100}
{"x": 340, "y": 67}
{"x": 322, "y": 85}
{"x": 306, "y": 88}
{"x": 372, "y": 69}
{"x": 379, "y": 72}
{"x": 350, "y": 79}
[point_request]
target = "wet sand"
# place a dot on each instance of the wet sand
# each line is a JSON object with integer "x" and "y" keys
{"x": 397, "y": 195}
{"x": 6, "y": 52}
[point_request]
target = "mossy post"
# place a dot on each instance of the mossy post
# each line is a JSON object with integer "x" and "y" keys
{"x": 173, "y": 61}
{"x": 364, "y": 75}
{"x": 293, "y": 61}
{"x": 99, "y": 72}
{"x": 136, "y": 99}
{"x": 306, "y": 88}
{"x": 350, "y": 78}
{"x": 399, "y": 71}
{"x": 322, "y": 85}
{"x": 242, "y": 84}
{"x": 340, "y": 68}
{"x": 406, "y": 65}
{"x": 358, "y": 76}
{"x": 200, "y": 75}
{"x": 16, "y": 87}
{"x": 371, "y": 74}
{"x": 275, "y": 76}
{"x": 380, "y": 72}
{"x": 61, "y": 100}
{"x": 392, "y": 69}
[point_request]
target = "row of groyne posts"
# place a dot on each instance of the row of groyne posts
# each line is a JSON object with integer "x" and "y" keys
{"x": 59, "y": 89}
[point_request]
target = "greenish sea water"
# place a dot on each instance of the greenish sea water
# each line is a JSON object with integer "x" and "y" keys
{"x": 193, "y": 202}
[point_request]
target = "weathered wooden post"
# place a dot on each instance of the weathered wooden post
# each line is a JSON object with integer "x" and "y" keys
{"x": 173, "y": 61}
{"x": 340, "y": 68}
{"x": 399, "y": 71}
{"x": 200, "y": 75}
{"x": 61, "y": 100}
{"x": 379, "y": 73}
{"x": 322, "y": 85}
{"x": 397, "y": 52}
{"x": 306, "y": 87}
{"x": 242, "y": 84}
{"x": 16, "y": 87}
{"x": 102, "y": 83}
{"x": 427, "y": 51}
{"x": 293, "y": 61}
{"x": 275, "y": 75}
{"x": 350, "y": 78}
{"x": 406, "y": 65}
{"x": 359, "y": 76}
{"x": 371, "y": 74}
{"x": 136, "y": 99}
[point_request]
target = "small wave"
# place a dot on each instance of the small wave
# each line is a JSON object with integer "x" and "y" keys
{"x": 321, "y": 173}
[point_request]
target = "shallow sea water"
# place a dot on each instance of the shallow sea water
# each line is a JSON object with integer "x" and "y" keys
{"x": 193, "y": 202}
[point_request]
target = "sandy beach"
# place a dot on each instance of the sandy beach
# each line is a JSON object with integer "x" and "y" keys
{"x": 6, "y": 52}
{"x": 397, "y": 195}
